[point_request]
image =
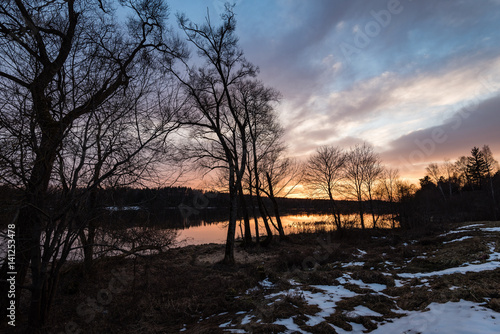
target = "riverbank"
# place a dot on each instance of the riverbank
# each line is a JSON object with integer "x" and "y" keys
{"x": 311, "y": 283}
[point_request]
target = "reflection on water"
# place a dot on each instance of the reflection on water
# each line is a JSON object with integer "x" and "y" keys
{"x": 294, "y": 223}
{"x": 201, "y": 231}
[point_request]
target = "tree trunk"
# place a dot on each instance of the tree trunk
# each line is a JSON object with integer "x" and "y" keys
{"x": 493, "y": 201}
{"x": 336, "y": 214}
{"x": 31, "y": 224}
{"x": 275, "y": 207}
{"x": 281, "y": 231}
{"x": 393, "y": 209}
{"x": 255, "y": 218}
{"x": 375, "y": 220}
{"x": 88, "y": 242}
{"x": 233, "y": 215}
{"x": 246, "y": 219}
{"x": 441, "y": 190}
{"x": 360, "y": 203}
{"x": 263, "y": 214}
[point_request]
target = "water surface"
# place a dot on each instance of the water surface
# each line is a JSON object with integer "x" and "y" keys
{"x": 216, "y": 232}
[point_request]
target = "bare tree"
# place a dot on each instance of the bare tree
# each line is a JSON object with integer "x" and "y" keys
{"x": 460, "y": 169}
{"x": 448, "y": 170}
{"x": 323, "y": 173}
{"x": 404, "y": 196}
{"x": 220, "y": 125}
{"x": 389, "y": 188}
{"x": 491, "y": 167}
{"x": 372, "y": 170}
{"x": 61, "y": 60}
{"x": 282, "y": 175}
{"x": 123, "y": 142}
{"x": 435, "y": 173}
{"x": 360, "y": 164}
{"x": 255, "y": 103}
{"x": 264, "y": 135}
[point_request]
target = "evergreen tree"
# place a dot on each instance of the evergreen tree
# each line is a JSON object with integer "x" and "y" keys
{"x": 477, "y": 168}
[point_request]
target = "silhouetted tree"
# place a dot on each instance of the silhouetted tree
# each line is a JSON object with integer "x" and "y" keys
{"x": 282, "y": 175}
{"x": 220, "y": 125}
{"x": 373, "y": 170}
{"x": 435, "y": 174}
{"x": 323, "y": 172}
{"x": 360, "y": 160}
{"x": 389, "y": 180}
{"x": 426, "y": 182}
{"x": 460, "y": 169}
{"x": 448, "y": 171}
{"x": 408, "y": 211}
{"x": 491, "y": 166}
{"x": 61, "y": 61}
{"x": 264, "y": 134}
{"x": 121, "y": 143}
{"x": 477, "y": 168}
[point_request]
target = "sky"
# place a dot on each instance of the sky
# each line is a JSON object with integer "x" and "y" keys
{"x": 418, "y": 80}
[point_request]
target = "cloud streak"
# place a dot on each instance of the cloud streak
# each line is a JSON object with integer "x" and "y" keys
{"x": 475, "y": 125}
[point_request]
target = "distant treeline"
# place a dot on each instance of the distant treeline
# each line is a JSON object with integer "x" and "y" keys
{"x": 174, "y": 203}
{"x": 156, "y": 200}
{"x": 467, "y": 189}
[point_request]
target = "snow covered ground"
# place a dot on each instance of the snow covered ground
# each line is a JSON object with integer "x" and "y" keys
{"x": 460, "y": 317}
{"x": 463, "y": 317}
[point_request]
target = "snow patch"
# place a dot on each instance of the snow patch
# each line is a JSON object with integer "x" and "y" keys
{"x": 491, "y": 229}
{"x": 225, "y": 324}
{"x": 353, "y": 264}
{"x": 266, "y": 284}
{"x": 246, "y": 319}
{"x": 462, "y": 228}
{"x": 458, "y": 270}
{"x": 459, "y": 239}
{"x": 372, "y": 286}
{"x": 361, "y": 253}
{"x": 467, "y": 227}
{"x": 122, "y": 208}
{"x": 362, "y": 311}
{"x": 458, "y": 318}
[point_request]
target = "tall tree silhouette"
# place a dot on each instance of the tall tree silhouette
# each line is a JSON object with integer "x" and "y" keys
{"x": 220, "y": 125}
{"x": 61, "y": 61}
{"x": 477, "y": 168}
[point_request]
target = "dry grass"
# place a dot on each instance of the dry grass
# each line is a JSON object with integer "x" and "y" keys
{"x": 188, "y": 289}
